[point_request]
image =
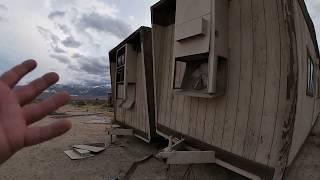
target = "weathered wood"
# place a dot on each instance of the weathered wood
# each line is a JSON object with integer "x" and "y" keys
{"x": 246, "y": 48}
{"x": 193, "y": 116}
{"x": 259, "y": 79}
{"x": 233, "y": 74}
{"x": 135, "y": 105}
{"x": 255, "y": 118}
{"x": 189, "y": 157}
{"x": 273, "y": 69}
{"x": 201, "y": 117}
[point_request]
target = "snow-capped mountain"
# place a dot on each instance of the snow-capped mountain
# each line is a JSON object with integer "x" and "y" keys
{"x": 79, "y": 90}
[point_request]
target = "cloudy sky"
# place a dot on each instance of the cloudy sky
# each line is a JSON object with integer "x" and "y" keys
{"x": 72, "y": 37}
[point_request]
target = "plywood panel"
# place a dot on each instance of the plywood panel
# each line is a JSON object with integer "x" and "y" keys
{"x": 282, "y": 112}
{"x": 157, "y": 37}
{"x": 220, "y": 113}
{"x": 233, "y": 74}
{"x": 259, "y": 79}
{"x": 209, "y": 121}
{"x": 271, "y": 98}
{"x": 194, "y": 45}
{"x": 202, "y": 108}
{"x": 181, "y": 70}
{"x": 193, "y": 116}
{"x": 186, "y": 115}
{"x": 245, "y": 76}
{"x": 168, "y": 83}
{"x": 164, "y": 78}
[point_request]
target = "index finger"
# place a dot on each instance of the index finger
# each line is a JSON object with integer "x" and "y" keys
{"x": 13, "y": 76}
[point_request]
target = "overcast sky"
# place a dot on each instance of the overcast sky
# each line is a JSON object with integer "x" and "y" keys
{"x": 72, "y": 37}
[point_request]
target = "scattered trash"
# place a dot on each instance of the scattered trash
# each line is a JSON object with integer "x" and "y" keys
{"x": 83, "y": 151}
{"x": 78, "y": 115}
{"x": 102, "y": 121}
{"x": 93, "y": 149}
{"x": 75, "y": 156}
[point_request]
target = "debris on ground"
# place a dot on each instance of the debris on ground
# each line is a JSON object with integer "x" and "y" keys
{"x": 83, "y": 151}
{"x": 77, "y": 115}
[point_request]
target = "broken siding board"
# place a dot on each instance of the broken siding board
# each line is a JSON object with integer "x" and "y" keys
{"x": 174, "y": 111}
{"x": 202, "y": 107}
{"x": 165, "y": 70}
{"x": 144, "y": 95}
{"x": 193, "y": 116}
{"x": 181, "y": 70}
{"x": 209, "y": 121}
{"x": 161, "y": 70}
{"x": 186, "y": 115}
{"x": 282, "y": 110}
{"x": 169, "y": 60}
{"x": 219, "y": 121}
{"x": 258, "y": 82}
{"x": 234, "y": 74}
{"x": 157, "y": 36}
{"x": 245, "y": 76}
{"x": 271, "y": 98}
{"x": 136, "y": 123}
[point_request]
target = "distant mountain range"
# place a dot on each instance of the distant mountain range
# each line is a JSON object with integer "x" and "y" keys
{"x": 90, "y": 91}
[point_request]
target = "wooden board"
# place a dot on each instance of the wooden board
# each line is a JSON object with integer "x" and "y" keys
{"x": 234, "y": 63}
{"x": 273, "y": 69}
{"x": 258, "y": 81}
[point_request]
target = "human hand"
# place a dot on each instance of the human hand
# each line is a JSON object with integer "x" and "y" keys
{"x": 17, "y": 112}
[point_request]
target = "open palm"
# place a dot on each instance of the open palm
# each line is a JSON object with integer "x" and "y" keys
{"x": 17, "y": 112}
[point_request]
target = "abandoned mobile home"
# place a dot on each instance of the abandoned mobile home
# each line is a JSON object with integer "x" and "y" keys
{"x": 132, "y": 83}
{"x": 237, "y": 77}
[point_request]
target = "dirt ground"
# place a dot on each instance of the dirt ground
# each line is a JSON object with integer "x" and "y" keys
{"x": 48, "y": 161}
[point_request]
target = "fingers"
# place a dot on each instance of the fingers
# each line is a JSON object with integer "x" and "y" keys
{"x": 13, "y": 76}
{"x": 37, "y": 135}
{"x": 36, "y": 112}
{"x": 28, "y": 93}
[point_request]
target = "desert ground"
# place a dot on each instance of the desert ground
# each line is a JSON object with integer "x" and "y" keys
{"x": 48, "y": 161}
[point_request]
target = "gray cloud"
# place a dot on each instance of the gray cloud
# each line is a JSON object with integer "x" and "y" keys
{"x": 65, "y": 29}
{"x": 105, "y": 24}
{"x": 58, "y": 50}
{"x": 52, "y": 39}
{"x": 61, "y": 58}
{"x": 76, "y": 55}
{"x": 71, "y": 42}
{"x": 97, "y": 66}
{"x": 48, "y": 36}
{"x": 3, "y": 7}
{"x": 3, "y": 19}
{"x": 56, "y": 14}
